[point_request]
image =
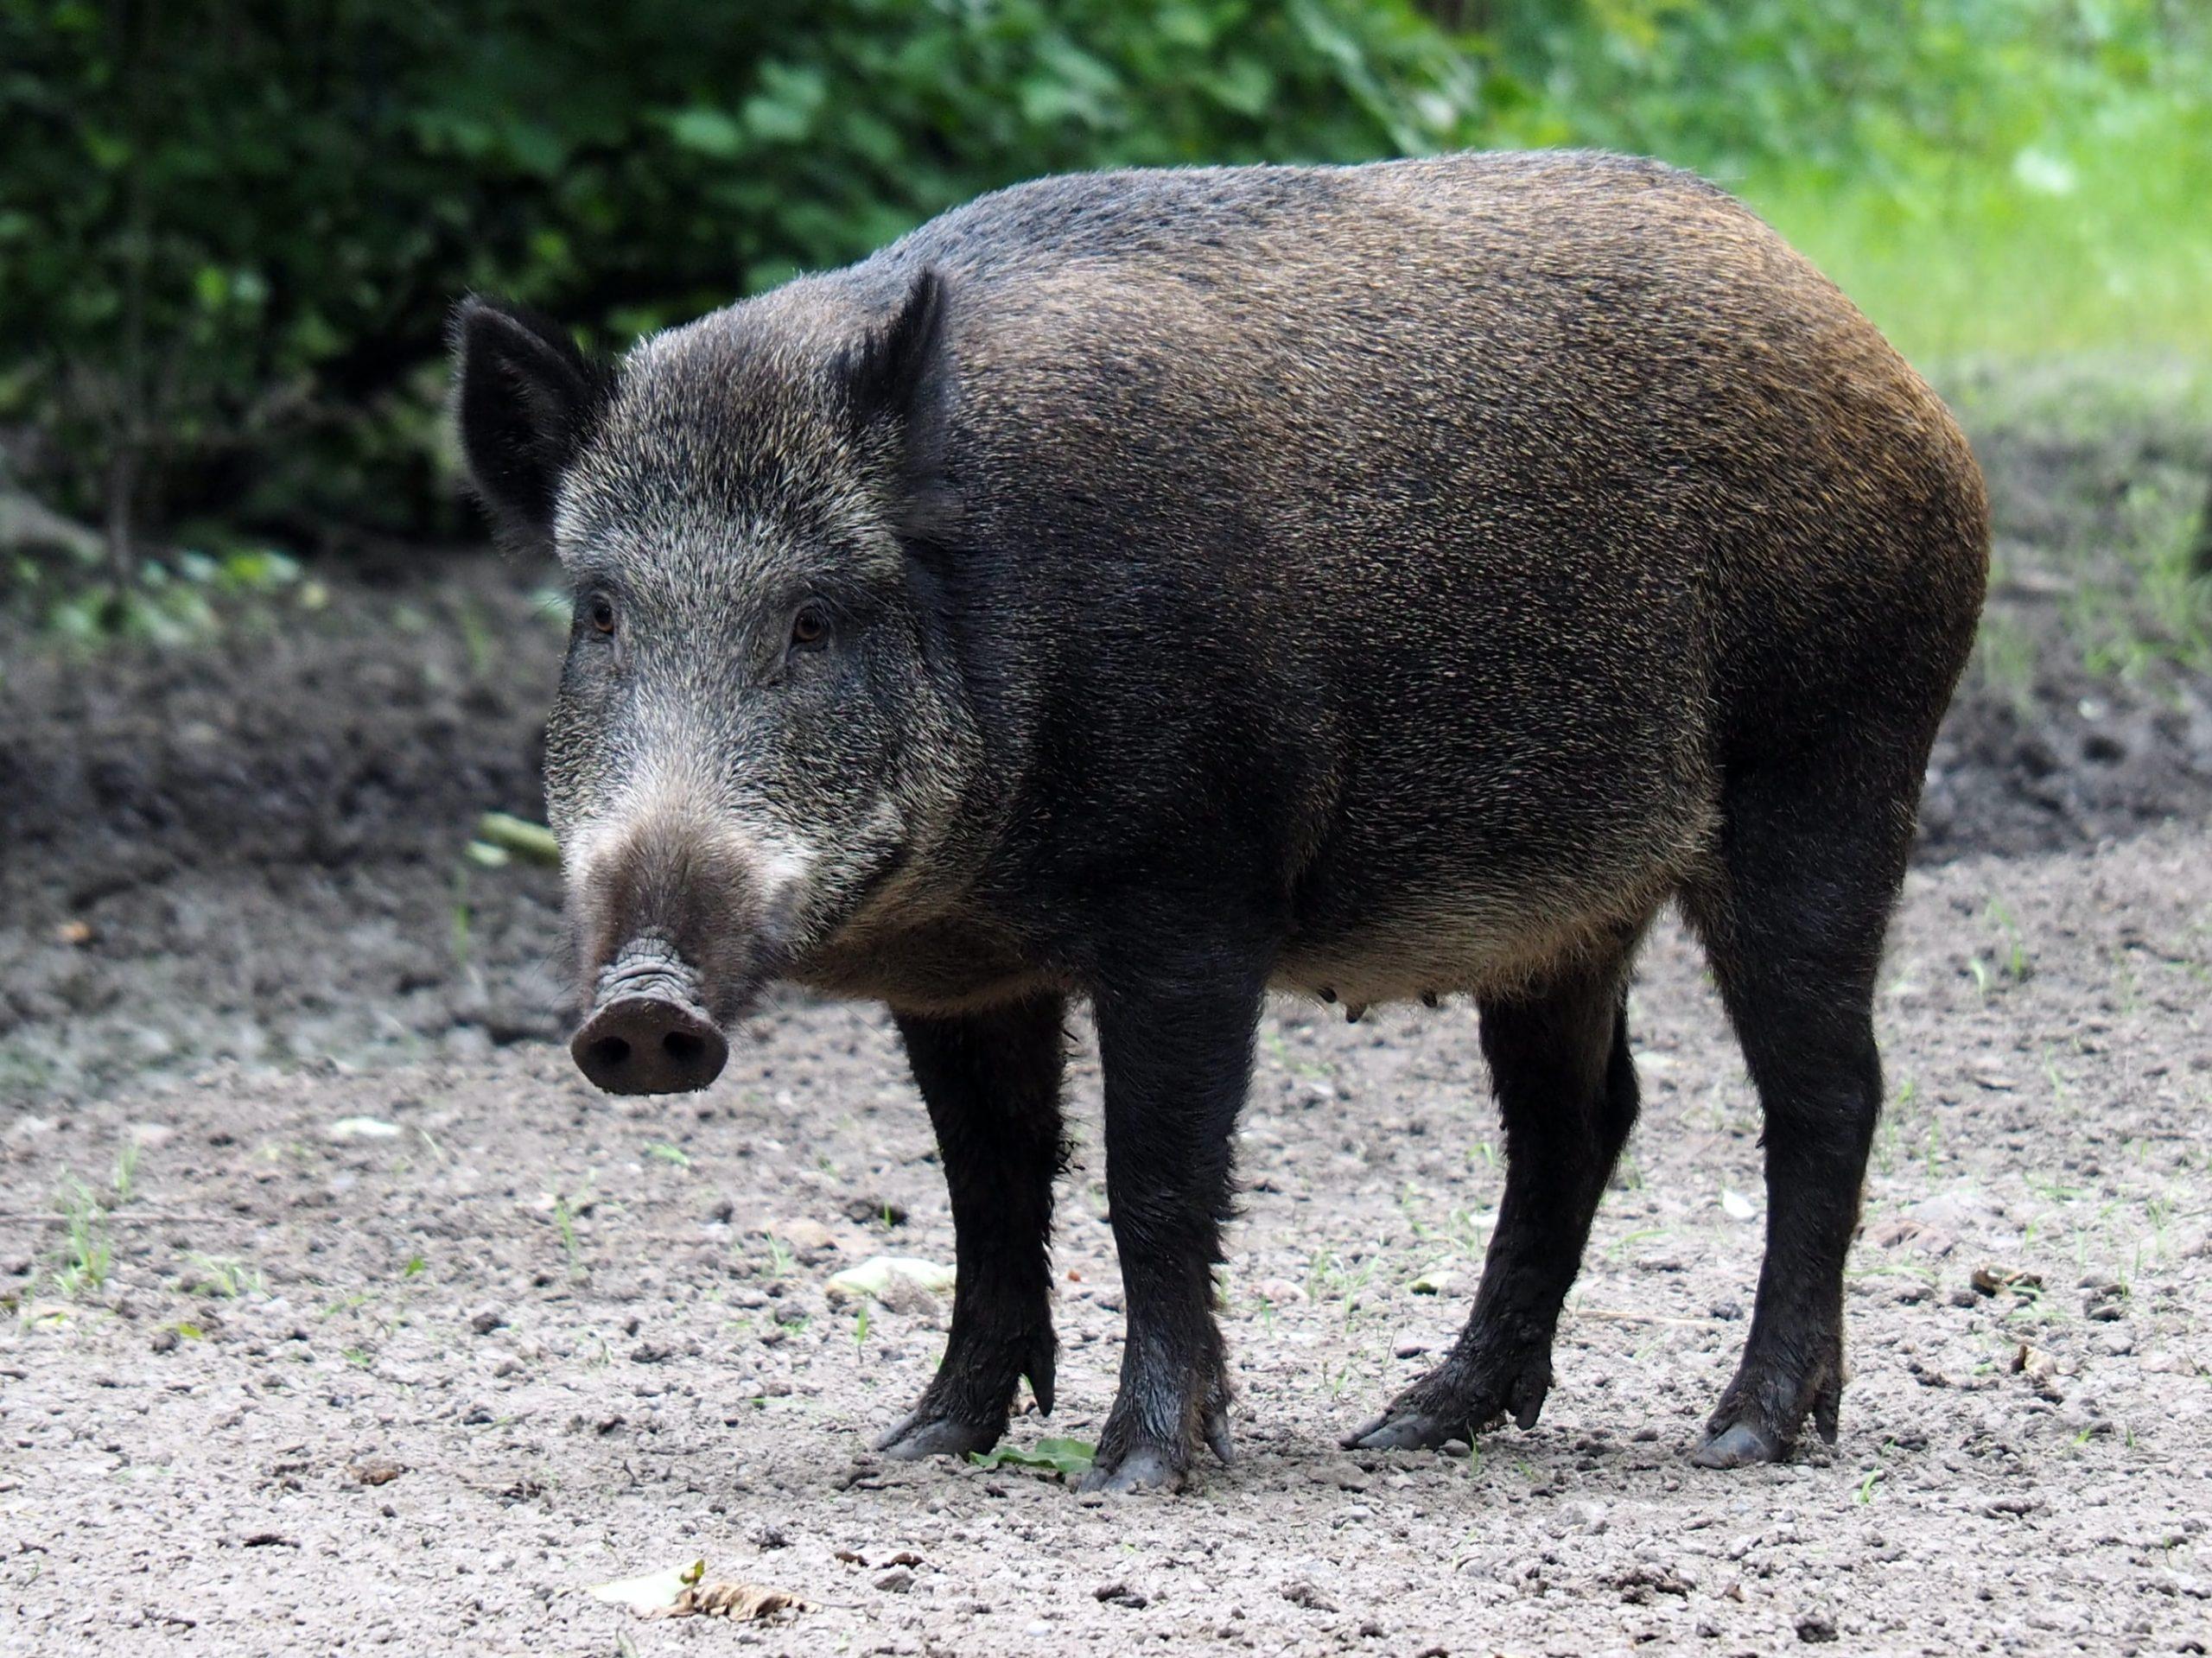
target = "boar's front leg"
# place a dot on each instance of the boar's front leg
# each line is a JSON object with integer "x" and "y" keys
{"x": 991, "y": 1083}
{"x": 1177, "y": 1059}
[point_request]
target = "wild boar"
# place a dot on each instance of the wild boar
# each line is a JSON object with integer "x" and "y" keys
{"x": 1154, "y": 588}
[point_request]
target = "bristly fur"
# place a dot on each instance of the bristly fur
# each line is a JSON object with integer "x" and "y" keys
{"x": 1371, "y": 581}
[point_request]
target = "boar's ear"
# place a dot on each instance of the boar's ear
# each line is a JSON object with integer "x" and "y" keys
{"x": 883, "y": 374}
{"x": 528, "y": 399}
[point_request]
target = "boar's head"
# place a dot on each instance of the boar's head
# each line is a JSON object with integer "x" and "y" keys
{"x": 758, "y": 720}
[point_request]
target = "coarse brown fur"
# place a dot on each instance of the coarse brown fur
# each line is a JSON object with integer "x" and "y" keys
{"x": 1377, "y": 581}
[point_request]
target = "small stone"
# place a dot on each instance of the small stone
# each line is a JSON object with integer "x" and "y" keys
{"x": 1816, "y": 1628}
{"x": 1407, "y": 1347}
{"x": 377, "y": 1470}
{"x": 805, "y": 1236}
{"x": 1342, "y": 1473}
{"x": 897, "y": 1580}
{"x": 484, "y": 1320}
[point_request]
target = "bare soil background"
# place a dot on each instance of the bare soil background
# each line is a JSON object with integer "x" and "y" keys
{"x": 415, "y": 1386}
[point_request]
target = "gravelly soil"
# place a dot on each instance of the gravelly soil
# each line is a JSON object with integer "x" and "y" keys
{"x": 673, "y": 1386}
{"x": 415, "y": 1390}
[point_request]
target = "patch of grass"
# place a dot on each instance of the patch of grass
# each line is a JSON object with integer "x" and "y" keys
{"x": 567, "y": 1206}
{"x": 2003, "y": 660}
{"x": 87, "y": 1258}
{"x": 124, "y": 1180}
{"x": 225, "y": 1276}
{"x": 2092, "y": 239}
{"x": 661, "y": 1151}
{"x": 463, "y": 916}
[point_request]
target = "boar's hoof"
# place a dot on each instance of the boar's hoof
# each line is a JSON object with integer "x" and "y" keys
{"x": 1142, "y": 1467}
{"x": 1738, "y": 1445}
{"x": 1447, "y": 1404}
{"x": 1758, "y": 1422}
{"x": 926, "y": 1434}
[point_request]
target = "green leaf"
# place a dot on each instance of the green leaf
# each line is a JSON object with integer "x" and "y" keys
{"x": 709, "y": 131}
{"x": 1064, "y": 1458}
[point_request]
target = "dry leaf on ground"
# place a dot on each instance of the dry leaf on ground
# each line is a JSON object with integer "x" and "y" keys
{"x": 881, "y": 1276}
{"x": 745, "y": 1602}
{"x": 655, "y": 1592}
{"x": 683, "y": 1591}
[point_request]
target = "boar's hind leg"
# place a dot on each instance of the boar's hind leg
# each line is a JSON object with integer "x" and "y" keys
{"x": 1565, "y": 1086}
{"x": 1811, "y": 857}
{"x": 992, "y": 1083}
{"x": 1176, "y": 1065}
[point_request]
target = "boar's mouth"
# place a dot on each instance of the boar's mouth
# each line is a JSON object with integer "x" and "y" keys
{"x": 649, "y": 1031}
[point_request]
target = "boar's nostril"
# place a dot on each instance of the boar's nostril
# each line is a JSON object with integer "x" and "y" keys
{"x": 648, "y": 1044}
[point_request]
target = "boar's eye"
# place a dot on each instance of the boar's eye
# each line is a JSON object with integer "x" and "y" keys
{"x": 598, "y": 611}
{"x": 809, "y": 627}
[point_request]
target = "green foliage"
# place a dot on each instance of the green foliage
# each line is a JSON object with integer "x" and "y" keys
{"x": 230, "y": 232}
{"x": 2011, "y": 176}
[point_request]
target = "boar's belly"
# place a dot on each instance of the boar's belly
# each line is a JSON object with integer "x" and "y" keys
{"x": 1483, "y": 936}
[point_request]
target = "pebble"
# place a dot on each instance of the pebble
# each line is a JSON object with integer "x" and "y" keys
{"x": 804, "y": 1234}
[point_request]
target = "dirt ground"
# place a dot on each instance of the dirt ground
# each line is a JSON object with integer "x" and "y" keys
{"x": 342, "y": 1314}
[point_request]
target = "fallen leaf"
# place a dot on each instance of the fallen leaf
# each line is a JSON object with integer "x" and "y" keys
{"x": 1064, "y": 1458}
{"x": 377, "y": 1470}
{"x": 1988, "y": 1281}
{"x": 363, "y": 1128}
{"x": 656, "y": 1591}
{"x": 2034, "y": 1363}
{"x": 745, "y": 1602}
{"x": 73, "y": 932}
{"x": 878, "y": 1278}
{"x": 1738, "y": 1206}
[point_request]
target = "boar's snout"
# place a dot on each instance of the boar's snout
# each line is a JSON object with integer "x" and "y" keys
{"x": 678, "y": 924}
{"x": 648, "y": 1034}
{"x": 641, "y": 1044}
